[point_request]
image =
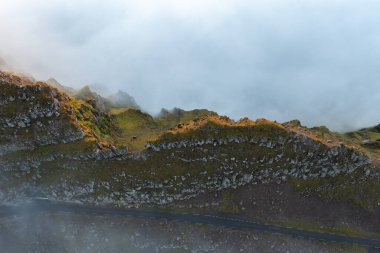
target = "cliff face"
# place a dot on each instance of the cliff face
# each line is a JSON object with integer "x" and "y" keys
{"x": 34, "y": 114}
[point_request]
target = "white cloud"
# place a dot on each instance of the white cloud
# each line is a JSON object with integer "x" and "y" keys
{"x": 314, "y": 60}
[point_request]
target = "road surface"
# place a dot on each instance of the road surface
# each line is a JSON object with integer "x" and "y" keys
{"x": 220, "y": 221}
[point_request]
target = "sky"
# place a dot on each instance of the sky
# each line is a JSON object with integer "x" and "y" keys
{"x": 317, "y": 61}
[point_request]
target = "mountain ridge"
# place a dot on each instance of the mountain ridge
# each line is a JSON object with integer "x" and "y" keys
{"x": 182, "y": 160}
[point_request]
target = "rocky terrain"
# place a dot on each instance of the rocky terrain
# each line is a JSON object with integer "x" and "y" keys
{"x": 80, "y": 148}
{"x": 34, "y": 114}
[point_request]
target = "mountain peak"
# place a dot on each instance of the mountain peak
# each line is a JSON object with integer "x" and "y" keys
{"x": 85, "y": 93}
{"x": 53, "y": 82}
{"x": 123, "y": 99}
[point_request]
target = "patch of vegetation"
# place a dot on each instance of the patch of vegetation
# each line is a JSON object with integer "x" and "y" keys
{"x": 133, "y": 128}
{"x": 95, "y": 124}
{"x": 228, "y": 203}
{"x": 168, "y": 119}
{"x": 215, "y": 127}
{"x": 344, "y": 188}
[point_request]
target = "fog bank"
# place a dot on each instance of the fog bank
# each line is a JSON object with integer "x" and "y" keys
{"x": 312, "y": 60}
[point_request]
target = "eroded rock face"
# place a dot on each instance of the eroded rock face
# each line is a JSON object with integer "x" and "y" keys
{"x": 34, "y": 115}
{"x": 30, "y": 116}
{"x": 220, "y": 164}
{"x": 317, "y": 156}
{"x": 37, "y": 115}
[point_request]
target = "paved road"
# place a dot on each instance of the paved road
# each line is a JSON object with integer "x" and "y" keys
{"x": 228, "y": 222}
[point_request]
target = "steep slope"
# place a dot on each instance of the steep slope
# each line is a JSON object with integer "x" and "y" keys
{"x": 208, "y": 164}
{"x": 118, "y": 100}
{"x": 133, "y": 128}
{"x": 93, "y": 98}
{"x": 34, "y": 114}
{"x": 366, "y": 140}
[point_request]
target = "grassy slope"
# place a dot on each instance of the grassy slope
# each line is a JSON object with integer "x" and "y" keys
{"x": 124, "y": 124}
{"x": 368, "y": 141}
{"x": 168, "y": 119}
{"x": 344, "y": 187}
{"x": 134, "y": 128}
{"x": 163, "y": 166}
{"x": 365, "y": 140}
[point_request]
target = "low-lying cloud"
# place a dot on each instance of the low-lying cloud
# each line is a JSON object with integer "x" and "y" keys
{"x": 313, "y": 60}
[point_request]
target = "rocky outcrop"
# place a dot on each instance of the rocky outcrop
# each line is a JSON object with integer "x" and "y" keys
{"x": 323, "y": 158}
{"x": 33, "y": 114}
{"x": 93, "y": 98}
{"x": 220, "y": 165}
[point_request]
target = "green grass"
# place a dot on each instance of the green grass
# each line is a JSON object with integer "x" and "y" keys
{"x": 215, "y": 130}
{"x": 228, "y": 203}
{"x": 343, "y": 188}
{"x": 169, "y": 119}
{"x": 133, "y": 128}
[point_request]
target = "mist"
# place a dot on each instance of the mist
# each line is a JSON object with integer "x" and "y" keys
{"x": 316, "y": 61}
{"x": 68, "y": 233}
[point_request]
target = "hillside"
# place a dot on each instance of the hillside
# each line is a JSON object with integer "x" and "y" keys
{"x": 171, "y": 118}
{"x": 134, "y": 128}
{"x": 68, "y": 149}
{"x": 365, "y": 140}
{"x": 34, "y": 114}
